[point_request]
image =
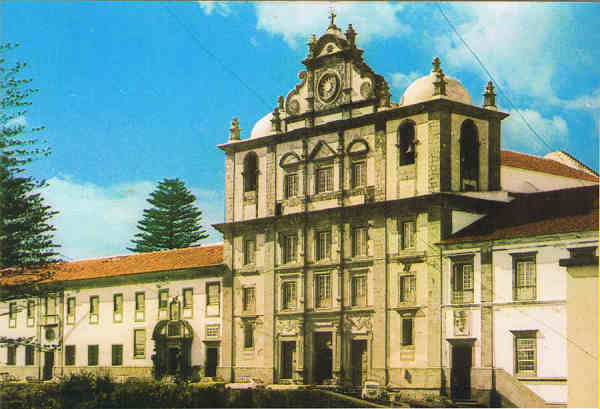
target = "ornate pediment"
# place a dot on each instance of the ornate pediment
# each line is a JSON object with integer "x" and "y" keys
{"x": 358, "y": 323}
{"x": 358, "y": 147}
{"x": 289, "y": 327}
{"x": 322, "y": 151}
{"x": 290, "y": 159}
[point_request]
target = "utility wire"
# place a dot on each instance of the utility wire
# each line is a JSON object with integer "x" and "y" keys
{"x": 504, "y": 94}
{"x": 216, "y": 59}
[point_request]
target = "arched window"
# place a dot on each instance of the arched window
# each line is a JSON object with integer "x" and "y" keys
{"x": 406, "y": 143}
{"x": 469, "y": 156}
{"x": 250, "y": 172}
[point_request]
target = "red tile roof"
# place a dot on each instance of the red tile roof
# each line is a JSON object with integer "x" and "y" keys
{"x": 538, "y": 164}
{"x": 191, "y": 257}
{"x": 533, "y": 214}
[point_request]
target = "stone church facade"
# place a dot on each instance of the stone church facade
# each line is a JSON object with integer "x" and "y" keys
{"x": 334, "y": 206}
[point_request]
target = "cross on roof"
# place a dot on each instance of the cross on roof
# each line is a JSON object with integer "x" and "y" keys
{"x": 332, "y": 16}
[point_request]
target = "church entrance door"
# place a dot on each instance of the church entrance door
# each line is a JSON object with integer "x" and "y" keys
{"x": 288, "y": 359}
{"x": 212, "y": 358}
{"x": 48, "y": 365}
{"x": 323, "y": 357}
{"x": 359, "y": 362}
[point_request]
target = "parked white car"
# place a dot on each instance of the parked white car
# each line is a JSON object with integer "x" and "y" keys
{"x": 246, "y": 383}
{"x": 371, "y": 390}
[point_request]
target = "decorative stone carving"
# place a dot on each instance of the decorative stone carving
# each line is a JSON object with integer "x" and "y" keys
{"x": 293, "y": 107}
{"x": 288, "y": 327}
{"x": 358, "y": 323}
{"x": 366, "y": 90}
{"x": 328, "y": 87}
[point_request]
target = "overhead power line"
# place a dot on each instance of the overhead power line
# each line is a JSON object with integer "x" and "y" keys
{"x": 504, "y": 94}
{"x": 215, "y": 58}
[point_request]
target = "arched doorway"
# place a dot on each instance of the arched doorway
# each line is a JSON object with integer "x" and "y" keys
{"x": 172, "y": 348}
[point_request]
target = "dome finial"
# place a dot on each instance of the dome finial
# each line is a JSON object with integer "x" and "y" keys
{"x": 436, "y": 64}
{"x": 235, "y": 130}
{"x": 439, "y": 86}
{"x": 489, "y": 96}
{"x": 332, "y": 17}
{"x": 351, "y": 34}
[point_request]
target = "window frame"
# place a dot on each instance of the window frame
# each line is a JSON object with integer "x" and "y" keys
{"x": 289, "y": 299}
{"x": 11, "y": 355}
{"x": 29, "y": 355}
{"x": 12, "y": 314}
{"x": 249, "y": 251}
{"x": 139, "y": 346}
{"x": 289, "y": 248}
{"x": 70, "y": 352}
{"x": 359, "y": 179}
{"x": 209, "y": 328}
{"x": 463, "y": 290}
{"x": 249, "y": 294}
{"x": 213, "y": 305}
{"x": 249, "y": 340}
{"x": 355, "y": 298}
{"x": 163, "y": 303}
{"x": 116, "y": 351}
{"x": 529, "y": 258}
{"x": 360, "y": 241}
{"x": 408, "y": 331}
{"x": 324, "y": 179}
{"x": 290, "y": 189}
{"x": 408, "y": 233}
{"x": 250, "y": 176}
{"x": 94, "y": 315}
{"x": 118, "y": 308}
{"x": 30, "y": 313}
{"x": 323, "y": 245}
{"x": 320, "y": 280}
{"x": 530, "y": 335}
{"x": 187, "y": 305}
{"x": 140, "y": 307}
{"x": 407, "y": 140}
{"x": 71, "y": 310}
{"x": 48, "y": 303}
{"x": 93, "y": 352}
{"x": 408, "y": 293}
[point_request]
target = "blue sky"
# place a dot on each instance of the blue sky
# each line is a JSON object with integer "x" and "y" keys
{"x": 131, "y": 93}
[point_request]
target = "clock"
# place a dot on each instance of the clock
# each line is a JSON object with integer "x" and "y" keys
{"x": 328, "y": 87}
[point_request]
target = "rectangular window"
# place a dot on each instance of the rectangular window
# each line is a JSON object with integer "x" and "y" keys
{"x": 288, "y": 295}
{"x": 139, "y": 343}
{"x": 51, "y": 304}
{"x": 249, "y": 251}
{"x": 118, "y": 308}
{"x": 140, "y": 306}
{"x": 407, "y": 331}
{"x": 359, "y": 241}
{"x": 524, "y": 277}
{"x": 323, "y": 245}
{"x": 212, "y": 331}
{"x": 324, "y": 179}
{"x": 249, "y": 299}
{"x": 525, "y": 354}
{"x": 289, "y": 245}
{"x": 359, "y": 290}
{"x": 117, "y": 355}
{"x": 94, "y": 309}
{"x": 359, "y": 174}
{"x": 214, "y": 296}
{"x": 290, "y": 185}
{"x": 12, "y": 315}
{"x": 462, "y": 283}
{"x": 188, "y": 302}
{"x": 408, "y": 285}
{"x": 69, "y": 355}
{"x": 92, "y": 355}
{"x": 29, "y": 358}
{"x": 163, "y": 299}
{"x": 248, "y": 336}
{"x": 11, "y": 355}
{"x": 71, "y": 310}
{"x": 323, "y": 290}
{"x": 408, "y": 235}
{"x": 30, "y": 313}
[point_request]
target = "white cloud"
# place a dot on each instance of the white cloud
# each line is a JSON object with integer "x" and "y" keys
{"x": 296, "y": 21}
{"x": 401, "y": 81}
{"x": 97, "y": 221}
{"x": 517, "y": 136}
{"x": 220, "y": 8}
{"x": 516, "y": 42}
{"x": 591, "y": 101}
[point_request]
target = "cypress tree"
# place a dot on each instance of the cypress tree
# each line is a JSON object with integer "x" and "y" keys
{"x": 172, "y": 222}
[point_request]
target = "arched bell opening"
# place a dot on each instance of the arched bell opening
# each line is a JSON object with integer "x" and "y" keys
{"x": 172, "y": 348}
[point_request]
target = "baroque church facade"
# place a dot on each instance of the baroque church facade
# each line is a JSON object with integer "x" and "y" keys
{"x": 364, "y": 239}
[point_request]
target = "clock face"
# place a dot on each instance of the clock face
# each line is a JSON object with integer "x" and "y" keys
{"x": 328, "y": 87}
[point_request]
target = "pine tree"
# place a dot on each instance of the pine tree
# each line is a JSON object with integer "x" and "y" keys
{"x": 26, "y": 235}
{"x": 172, "y": 222}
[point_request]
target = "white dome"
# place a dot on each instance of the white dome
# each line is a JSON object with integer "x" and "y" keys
{"x": 422, "y": 90}
{"x": 263, "y": 127}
